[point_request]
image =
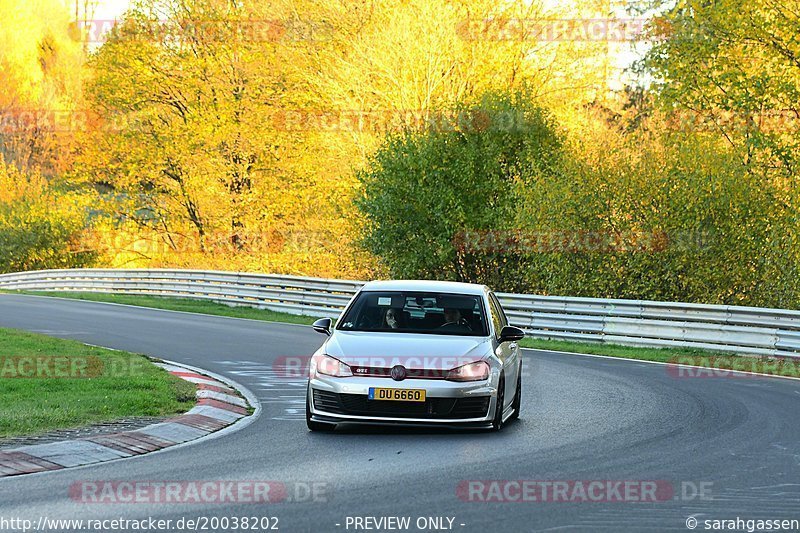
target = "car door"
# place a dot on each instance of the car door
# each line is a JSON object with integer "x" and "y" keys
{"x": 508, "y": 352}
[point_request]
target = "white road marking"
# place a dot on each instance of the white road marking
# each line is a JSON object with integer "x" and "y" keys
{"x": 282, "y": 390}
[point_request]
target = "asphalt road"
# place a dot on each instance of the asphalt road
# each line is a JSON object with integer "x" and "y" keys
{"x": 584, "y": 418}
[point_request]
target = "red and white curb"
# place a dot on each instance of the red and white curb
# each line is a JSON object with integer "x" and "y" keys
{"x": 218, "y": 406}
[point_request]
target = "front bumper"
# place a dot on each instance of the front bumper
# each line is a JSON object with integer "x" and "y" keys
{"x": 344, "y": 400}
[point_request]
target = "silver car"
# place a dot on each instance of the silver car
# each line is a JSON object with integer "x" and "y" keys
{"x": 417, "y": 353}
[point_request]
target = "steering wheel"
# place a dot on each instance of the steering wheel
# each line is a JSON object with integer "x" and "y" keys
{"x": 461, "y": 322}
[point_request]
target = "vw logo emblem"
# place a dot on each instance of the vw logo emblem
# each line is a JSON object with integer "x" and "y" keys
{"x": 398, "y": 373}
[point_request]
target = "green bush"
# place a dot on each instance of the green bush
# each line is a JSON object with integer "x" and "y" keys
{"x": 684, "y": 219}
{"x": 40, "y": 228}
{"x": 423, "y": 191}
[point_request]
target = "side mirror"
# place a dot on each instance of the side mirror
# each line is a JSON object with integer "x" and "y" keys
{"x": 510, "y": 333}
{"x": 323, "y": 325}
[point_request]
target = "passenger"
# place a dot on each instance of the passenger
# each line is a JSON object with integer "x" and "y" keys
{"x": 391, "y": 318}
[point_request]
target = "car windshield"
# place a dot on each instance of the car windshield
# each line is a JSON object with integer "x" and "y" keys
{"x": 416, "y": 312}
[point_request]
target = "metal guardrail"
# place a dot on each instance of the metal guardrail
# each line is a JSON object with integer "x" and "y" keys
{"x": 745, "y": 330}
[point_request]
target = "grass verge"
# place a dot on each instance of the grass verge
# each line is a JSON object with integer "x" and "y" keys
{"x": 664, "y": 355}
{"x": 48, "y": 384}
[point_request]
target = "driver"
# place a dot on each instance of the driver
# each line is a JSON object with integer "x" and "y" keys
{"x": 452, "y": 316}
{"x": 453, "y": 320}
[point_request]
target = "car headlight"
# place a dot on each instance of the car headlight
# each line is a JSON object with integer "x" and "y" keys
{"x": 329, "y": 366}
{"x": 478, "y": 371}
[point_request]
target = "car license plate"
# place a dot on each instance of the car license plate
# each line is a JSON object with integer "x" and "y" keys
{"x": 399, "y": 395}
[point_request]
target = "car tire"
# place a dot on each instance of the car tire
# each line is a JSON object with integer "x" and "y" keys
{"x": 497, "y": 421}
{"x": 517, "y": 395}
{"x": 316, "y": 426}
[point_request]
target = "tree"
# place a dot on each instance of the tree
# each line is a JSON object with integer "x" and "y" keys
{"x": 42, "y": 69}
{"x": 184, "y": 95}
{"x": 427, "y": 194}
{"x": 643, "y": 212}
{"x": 731, "y": 69}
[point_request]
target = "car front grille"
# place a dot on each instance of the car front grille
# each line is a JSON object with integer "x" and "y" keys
{"x": 411, "y": 373}
{"x": 433, "y": 408}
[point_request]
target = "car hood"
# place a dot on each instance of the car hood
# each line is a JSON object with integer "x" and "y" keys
{"x": 359, "y": 348}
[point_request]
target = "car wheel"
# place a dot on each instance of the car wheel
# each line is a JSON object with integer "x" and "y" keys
{"x": 517, "y": 396}
{"x": 497, "y": 422}
{"x": 316, "y": 426}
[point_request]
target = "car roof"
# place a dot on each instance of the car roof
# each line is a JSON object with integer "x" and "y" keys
{"x": 426, "y": 286}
